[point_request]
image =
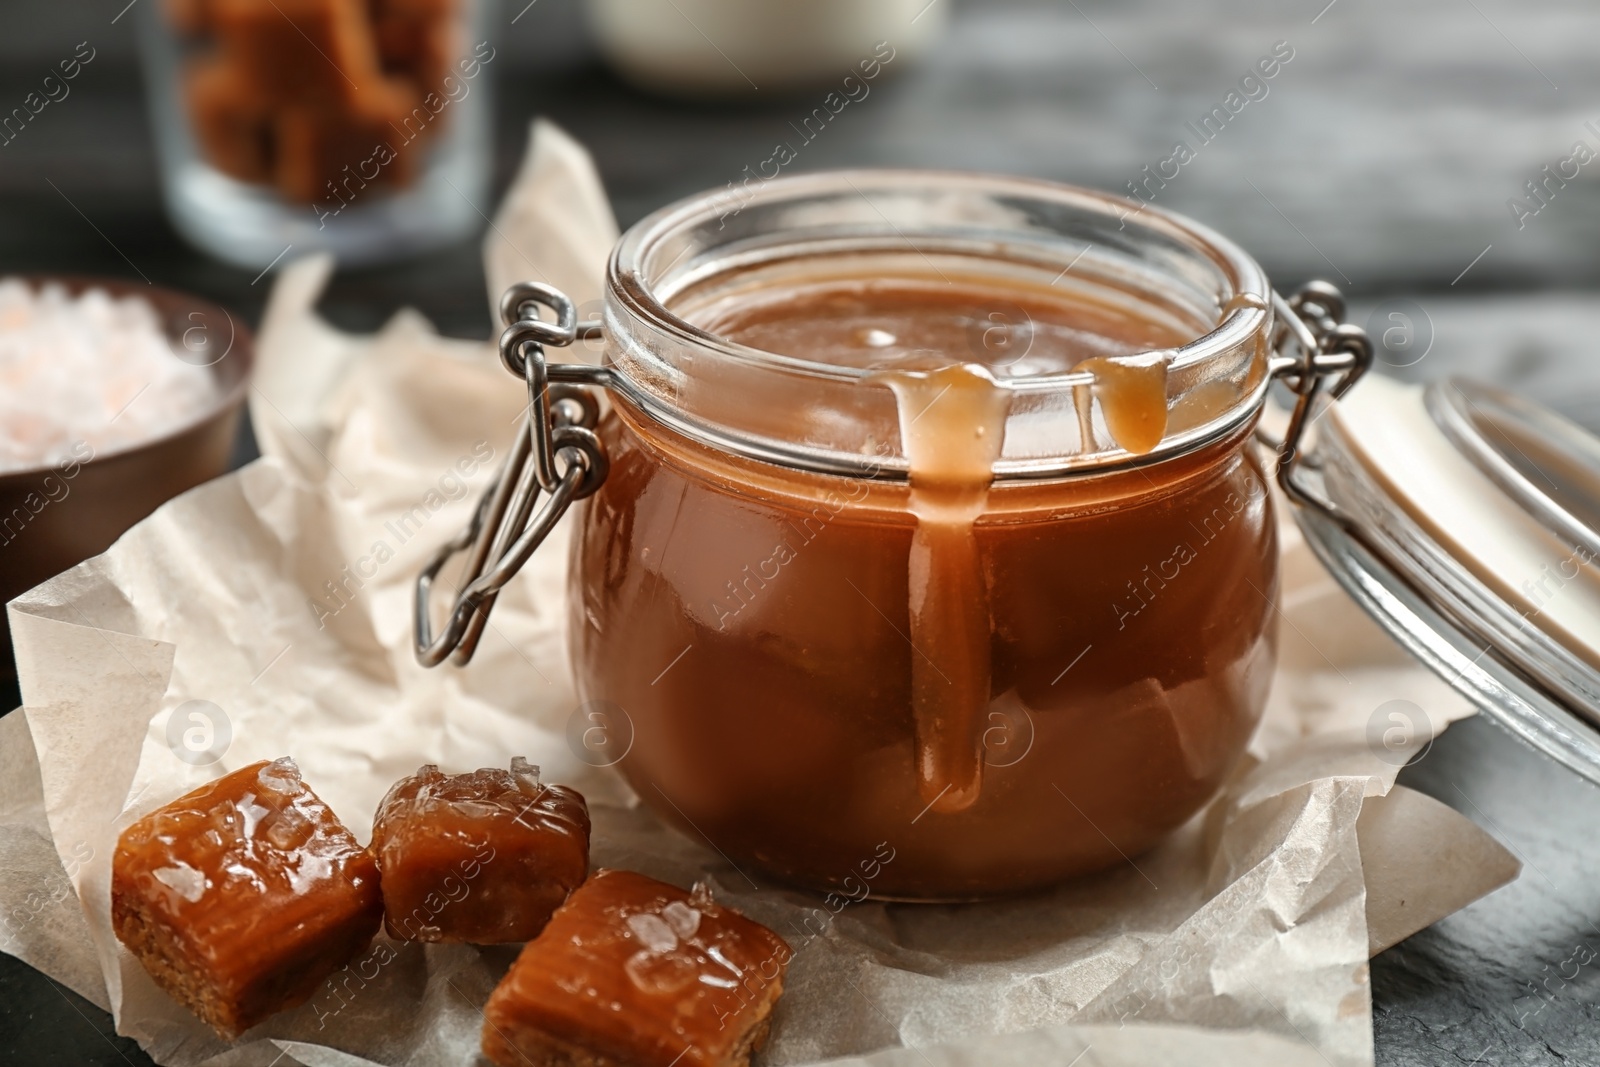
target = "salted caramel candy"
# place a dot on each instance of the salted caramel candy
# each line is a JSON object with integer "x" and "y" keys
{"x": 632, "y": 972}
{"x": 241, "y": 897}
{"x": 483, "y": 857}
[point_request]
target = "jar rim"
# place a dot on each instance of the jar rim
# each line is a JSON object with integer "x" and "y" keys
{"x": 627, "y": 264}
{"x": 1149, "y": 260}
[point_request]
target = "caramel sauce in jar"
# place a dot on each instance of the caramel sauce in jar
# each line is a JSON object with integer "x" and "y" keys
{"x": 998, "y": 683}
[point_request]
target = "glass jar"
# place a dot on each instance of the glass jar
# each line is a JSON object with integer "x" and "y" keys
{"x": 924, "y": 551}
{"x": 359, "y": 128}
{"x": 740, "y": 584}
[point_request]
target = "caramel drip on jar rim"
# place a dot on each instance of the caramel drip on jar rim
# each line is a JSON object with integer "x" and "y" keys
{"x": 952, "y": 427}
{"x": 1133, "y": 398}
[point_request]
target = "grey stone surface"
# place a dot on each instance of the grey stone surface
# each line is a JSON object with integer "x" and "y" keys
{"x": 1515, "y": 978}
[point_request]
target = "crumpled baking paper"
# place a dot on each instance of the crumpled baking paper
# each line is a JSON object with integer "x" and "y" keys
{"x": 269, "y": 613}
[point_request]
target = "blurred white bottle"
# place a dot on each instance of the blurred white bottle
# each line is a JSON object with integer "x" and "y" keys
{"x": 734, "y": 47}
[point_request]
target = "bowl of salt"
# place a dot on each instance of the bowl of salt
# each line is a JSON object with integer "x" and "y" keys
{"x": 114, "y": 398}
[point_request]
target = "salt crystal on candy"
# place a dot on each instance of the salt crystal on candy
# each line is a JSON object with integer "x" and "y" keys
{"x": 282, "y": 775}
{"x": 683, "y": 919}
{"x": 653, "y": 932}
{"x": 183, "y": 880}
{"x": 288, "y": 829}
{"x": 526, "y": 775}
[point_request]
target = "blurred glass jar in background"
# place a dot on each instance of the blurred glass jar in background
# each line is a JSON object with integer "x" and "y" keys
{"x": 359, "y": 127}
{"x": 731, "y": 47}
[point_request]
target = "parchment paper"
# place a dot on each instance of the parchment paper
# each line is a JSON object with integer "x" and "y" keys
{"x": 280, "y": 595}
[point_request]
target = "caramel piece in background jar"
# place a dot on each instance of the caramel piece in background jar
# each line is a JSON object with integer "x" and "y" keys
{"x": 188, "y": 17}
{"x": 484, "y": 857}
{"x": 633, "y": 972}
{"x": 318, "y": 53}
{"x": 322, "y": 98}
{"x": 333, "y": 158}
{"x": 417, "y": 38}
{"x": 241, "y": 897}
{"x": 231, "y": 122}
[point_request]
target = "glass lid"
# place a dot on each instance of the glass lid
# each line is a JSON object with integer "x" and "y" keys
{"x": 1466, "y": 520}
{"x": 1547, "y": 464}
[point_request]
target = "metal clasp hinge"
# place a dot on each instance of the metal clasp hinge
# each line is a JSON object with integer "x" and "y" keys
{"x": 555, "y": 451}
{"x": 1328, "y": 352}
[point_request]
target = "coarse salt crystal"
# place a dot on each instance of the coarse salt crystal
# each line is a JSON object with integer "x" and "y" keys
{"x": 282, "y": 775}
{"x": 183, "y": 880}
{"x": 652, "y": 932}
{"x": 526, "y": 776}
{"x": 683, "y": 919}
{"x": 287, "y": 829}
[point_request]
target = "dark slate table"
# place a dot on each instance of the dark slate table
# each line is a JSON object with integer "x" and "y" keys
{"x": 1382, "y": 160}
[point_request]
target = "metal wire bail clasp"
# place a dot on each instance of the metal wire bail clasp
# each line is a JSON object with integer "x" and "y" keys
{"x": 1327, "y": 350}
{"x": 555, "y": 451}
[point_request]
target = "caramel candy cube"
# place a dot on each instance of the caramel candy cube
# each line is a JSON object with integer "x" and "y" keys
{"x": 632, "y": 972}
{"x": 232, "y": 126}
{"x": 333, "y": 158}
{"x": 317, "y": 53}
{"x": 484, "y": 857}
{"x": 418, "y": 38}
{"x": 189, "y": 17}
{"x": 241, "y": 897}
{"x": 431, "y": 9}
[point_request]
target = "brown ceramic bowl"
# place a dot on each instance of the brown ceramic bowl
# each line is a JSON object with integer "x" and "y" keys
{"x": 57, "y": 516}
